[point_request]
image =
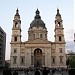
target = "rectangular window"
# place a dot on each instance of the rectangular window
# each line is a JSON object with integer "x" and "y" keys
{"x": 14, "y": 59}
{"x": 15, "y": 50}
{"x": 61, "y": 59}
{"x": 40, "y": 35}
{"x": 60, "y": 50}
{"x": 34, "y": 36}
{"x": 59, "y": 38}
{"x": 15, "y": 39}
{"x": 22, "y": 59}
{"x": 53, "y": 59}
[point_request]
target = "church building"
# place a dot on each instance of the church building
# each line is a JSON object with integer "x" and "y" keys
{"x": 37, "y": 51}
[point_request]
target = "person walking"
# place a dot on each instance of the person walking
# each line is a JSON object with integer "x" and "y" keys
{"x": 7, "y": 71}
{"x": 45, "y": 72}
{"x": 24, "y": 71}
{"x": 37, "y": 72}
{"x": 15, "y": 73}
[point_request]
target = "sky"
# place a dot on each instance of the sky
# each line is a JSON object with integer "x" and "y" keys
{"x": 48, "y": 10}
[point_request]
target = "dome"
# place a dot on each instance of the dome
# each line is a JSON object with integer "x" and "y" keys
{"x": 37, "y": 22}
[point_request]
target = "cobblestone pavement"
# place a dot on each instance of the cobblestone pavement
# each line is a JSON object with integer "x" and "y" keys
{"x": 32, "y": 73}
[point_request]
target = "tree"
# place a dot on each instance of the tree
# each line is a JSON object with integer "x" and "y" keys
{"x": 72, "y": 62}
{"x": 68, "y": 62}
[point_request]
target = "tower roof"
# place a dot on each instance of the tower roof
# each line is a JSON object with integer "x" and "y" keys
{"x": 17, "y": 16}
{"x": 37, "y": 22}
{"x": 37, "y": 14}
{"x": 58, "y": 14}
{"x": 17, "y": 12}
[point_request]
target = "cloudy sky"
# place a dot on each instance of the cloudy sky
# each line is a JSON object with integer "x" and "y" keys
{"x": 48, "y": 10}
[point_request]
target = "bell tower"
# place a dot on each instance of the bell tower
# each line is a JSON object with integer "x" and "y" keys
{"x": 16, "y": 30}
{"x": 59, "y": 30}
{"x": 15, "y": 41}
{"x": 59, "y": 41}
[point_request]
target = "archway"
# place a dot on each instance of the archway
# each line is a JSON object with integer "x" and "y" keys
{"x": 37, "y": 57}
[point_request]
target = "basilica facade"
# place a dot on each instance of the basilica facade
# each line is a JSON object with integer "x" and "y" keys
{"x": 37, "y": 51}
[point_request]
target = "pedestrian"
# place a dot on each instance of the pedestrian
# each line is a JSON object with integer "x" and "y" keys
{"x": 6, "y": 71}
{"x": 69, "y": 71}
{"x": 9, "y": 71}
{"x": 25, "y": 71}
{"x": 45, "y": 71}
{"x": 15, "y": 73}
{"x": 62, "y": 73}
{"x": 37, "y": 72}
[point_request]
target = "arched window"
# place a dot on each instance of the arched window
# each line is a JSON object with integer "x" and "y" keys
{"x": 58, "y": 23}
{"x": 16, "y": 24}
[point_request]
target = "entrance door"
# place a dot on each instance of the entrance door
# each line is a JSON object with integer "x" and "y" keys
{"x": 38, "y": 57}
